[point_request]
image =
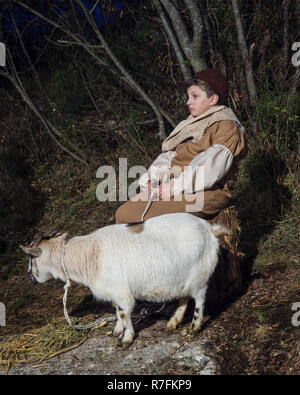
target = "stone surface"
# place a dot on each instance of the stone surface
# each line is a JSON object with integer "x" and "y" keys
{"x": 153, "y": 352}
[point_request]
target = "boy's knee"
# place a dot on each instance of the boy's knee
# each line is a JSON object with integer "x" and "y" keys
{"x": 119, "y": 215}
{"x": 128, "y": 212}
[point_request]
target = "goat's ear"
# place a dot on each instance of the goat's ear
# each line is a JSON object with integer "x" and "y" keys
{"x": 35, "y": 251}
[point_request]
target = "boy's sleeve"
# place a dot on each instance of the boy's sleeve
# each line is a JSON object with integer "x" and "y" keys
{"x": 160, "y": 167}
{"x": 211, "y": 165}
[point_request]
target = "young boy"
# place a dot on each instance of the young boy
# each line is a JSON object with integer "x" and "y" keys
{"x": 198, "y": 163}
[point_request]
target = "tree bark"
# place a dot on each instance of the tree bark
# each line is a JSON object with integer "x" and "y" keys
{"x": 286, "y": 33}
{"x": 245, "y": 55}
{"x": 198, "y": 61}
{"x": 185, "y": 69}
{"x": 190, "y": 46}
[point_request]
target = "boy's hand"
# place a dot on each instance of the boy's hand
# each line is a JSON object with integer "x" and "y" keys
{"x": 165, "y": 192}
{"x": 152, "y": 185}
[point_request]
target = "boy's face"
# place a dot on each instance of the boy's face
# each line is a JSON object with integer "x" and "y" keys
{"x": 198, "y": 102}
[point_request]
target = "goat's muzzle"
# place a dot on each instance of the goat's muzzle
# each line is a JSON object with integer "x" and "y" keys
{"x": 29, "y": 271}
{"x": 31, "y": 277}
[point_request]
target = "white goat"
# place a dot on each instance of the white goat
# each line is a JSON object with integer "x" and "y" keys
{"x": 167, "y": 257}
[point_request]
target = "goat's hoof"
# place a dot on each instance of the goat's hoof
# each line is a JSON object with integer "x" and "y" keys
{"x": 123, "y": 343}
{"x": 126, "y": 344}
{"x": 119, "y": 341}
{"x": 117, "y": 332}
{"x": 194, "y": 328}
{"x": 171, "y": 325}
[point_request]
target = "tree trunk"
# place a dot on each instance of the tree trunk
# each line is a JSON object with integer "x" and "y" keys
{"x": 185, "y": 69}
{"x": 245, "y": 55}
{"x": 286, "y": 34}
{"x": 191, "y": 47}
{"x": 197, "y": 60}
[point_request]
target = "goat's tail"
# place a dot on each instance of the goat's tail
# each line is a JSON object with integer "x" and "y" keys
{"x": 219, "y": 230}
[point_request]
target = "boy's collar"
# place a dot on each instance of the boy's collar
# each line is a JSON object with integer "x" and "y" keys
{"x": 212, "y": 110}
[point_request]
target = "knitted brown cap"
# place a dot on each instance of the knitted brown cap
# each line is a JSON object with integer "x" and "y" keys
{"x": 216, "y": 82}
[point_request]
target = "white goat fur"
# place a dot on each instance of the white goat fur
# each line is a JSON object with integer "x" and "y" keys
{"x": 170, "y": 257}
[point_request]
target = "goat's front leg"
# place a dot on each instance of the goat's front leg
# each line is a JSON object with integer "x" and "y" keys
{"x": 118, "y": 329}
{"x": 177, "y": 317}
{"x": 126, "y": 337}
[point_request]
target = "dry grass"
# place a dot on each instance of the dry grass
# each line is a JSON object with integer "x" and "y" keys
{"x": 42, "y": 343}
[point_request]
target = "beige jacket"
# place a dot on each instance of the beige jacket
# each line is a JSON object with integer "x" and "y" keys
{"x": 201, "y": 154}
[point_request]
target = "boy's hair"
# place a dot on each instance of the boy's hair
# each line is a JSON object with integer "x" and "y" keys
{"x": 203, "y": 85}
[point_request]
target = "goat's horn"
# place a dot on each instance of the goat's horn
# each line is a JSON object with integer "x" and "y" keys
{"x": 52, "y": 232}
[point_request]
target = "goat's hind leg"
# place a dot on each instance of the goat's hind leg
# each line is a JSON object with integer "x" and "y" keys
{"x": 199, "y": 297}
{"x": 177, "y": 317}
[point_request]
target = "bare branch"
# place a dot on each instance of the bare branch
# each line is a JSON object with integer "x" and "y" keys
{"x": 67, "y": 42}
{"x": 28, "y": 101}
{"x": 95, "y": 5}
{"x": 126, "y": 75}
{"x": 32, "y": 68}
{"x": 14, "y": 78}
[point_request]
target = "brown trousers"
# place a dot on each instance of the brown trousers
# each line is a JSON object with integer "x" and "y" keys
{"x": 213, "y": 203}
{"x": 133, "y": 211}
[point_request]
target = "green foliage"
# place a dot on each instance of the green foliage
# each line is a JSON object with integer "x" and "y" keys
{"x": 65, "y": 89}
{"x": 278, "y": 121}
{"x": 21, "y": 205}
{"x": 278, "y": 250}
